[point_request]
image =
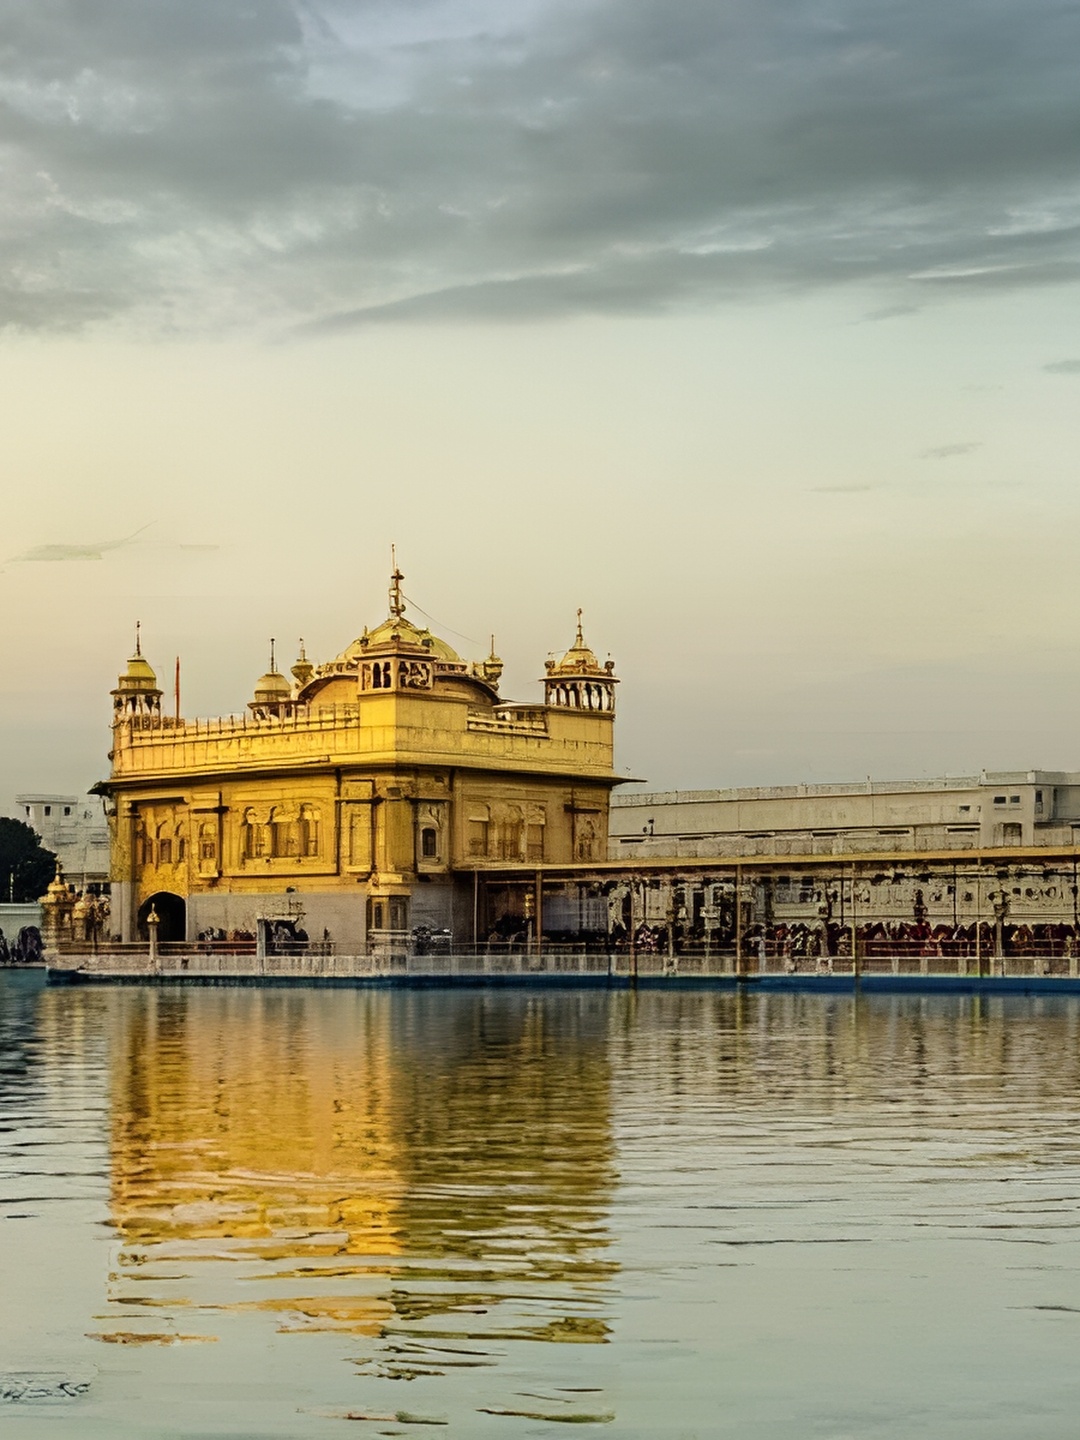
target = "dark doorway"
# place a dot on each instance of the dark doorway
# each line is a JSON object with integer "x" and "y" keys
{"x": 171, "y": 911}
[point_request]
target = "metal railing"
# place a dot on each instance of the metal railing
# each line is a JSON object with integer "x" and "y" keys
{"x": 565, "y": 963}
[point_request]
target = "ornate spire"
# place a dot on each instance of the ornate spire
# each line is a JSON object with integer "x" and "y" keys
{"x": 138, "y": 637}
{"x": 492, "y": 667}
{"x": 397, "y": 603}
{"x": 579, "y": 641}
{"x": 303, "y": 670}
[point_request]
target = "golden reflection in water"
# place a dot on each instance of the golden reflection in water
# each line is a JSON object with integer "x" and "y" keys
{"x": 420, "y": 1164}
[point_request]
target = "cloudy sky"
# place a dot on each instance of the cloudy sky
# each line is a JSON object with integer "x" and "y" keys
{"x": 749, "y": 326}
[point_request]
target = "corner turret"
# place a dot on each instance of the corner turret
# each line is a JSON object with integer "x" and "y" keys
{"x": 578, "y": 681}
{"x": 273, "y": 693}
{"x": 137, "y": 695}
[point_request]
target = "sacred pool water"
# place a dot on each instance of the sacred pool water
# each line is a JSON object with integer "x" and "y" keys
{"x": 306, "y": 1213}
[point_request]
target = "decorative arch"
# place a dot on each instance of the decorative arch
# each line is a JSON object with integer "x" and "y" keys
{"x": 254, "y": 834}
{"x": 171, "y": 912}
{"x": 284, "y": 832}
{"x": 309, "y": 830}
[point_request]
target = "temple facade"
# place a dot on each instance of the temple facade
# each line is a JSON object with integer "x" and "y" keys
{"x": 359, "y": 798}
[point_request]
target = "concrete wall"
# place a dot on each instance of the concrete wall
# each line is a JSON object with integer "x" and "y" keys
{"x": 74, "y": 829}
{"x": 14, "y": 917}
{"x": 992, "y": 809}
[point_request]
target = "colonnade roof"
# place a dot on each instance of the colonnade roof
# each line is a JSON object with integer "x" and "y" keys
{"x": 982, "y": 858}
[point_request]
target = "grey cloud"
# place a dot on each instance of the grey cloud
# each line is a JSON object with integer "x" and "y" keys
{"x": 947, "y": 452}
{"x": 199, "y": 163}
{"x": 1063, "y": 367}
{"x": 890, "y": 312}
{"x": 94, "y": 550}
{"x": 842, "y": 489}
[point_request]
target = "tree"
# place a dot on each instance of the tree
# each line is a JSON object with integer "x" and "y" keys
{"x": 26, "y": 867}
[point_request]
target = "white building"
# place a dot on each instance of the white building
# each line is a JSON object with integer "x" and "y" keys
{"x": 75, "y": 829}
{"x": 995, "y": 809}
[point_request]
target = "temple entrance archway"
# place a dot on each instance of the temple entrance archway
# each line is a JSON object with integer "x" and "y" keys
{"x": 172, "y": 913}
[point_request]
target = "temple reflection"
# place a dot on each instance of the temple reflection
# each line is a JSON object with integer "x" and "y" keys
{"x": 413, "y": 1165}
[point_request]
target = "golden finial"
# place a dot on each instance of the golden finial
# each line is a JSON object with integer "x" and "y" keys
{"x": 138, "y": 637}
{"x": 492, "y": 667}
{"x": 579, "y": 642}
{"x": 397, "y": 604}
{"x": 273, "y": 662}
{"x": 303, "y": 670}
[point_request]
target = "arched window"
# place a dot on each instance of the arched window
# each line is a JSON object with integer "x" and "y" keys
{"x": 254, "y": 836}
{"x": 512, "y": 835}
{"x": 284, "y": 833}
{"x": 586, "y": 840}
{"x": 309, "y": 830}
{"x": 479, "y": 834}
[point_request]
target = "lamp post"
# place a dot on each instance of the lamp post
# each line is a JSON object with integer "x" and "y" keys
{"x": 854, "y": 930}
{"x": 1001, "y": 912}
{"x": 153, "y": 920}
{"x": 528, "y": 922}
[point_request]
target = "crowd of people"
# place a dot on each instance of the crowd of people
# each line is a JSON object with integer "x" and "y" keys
{"x": 913, "y": 938}
{"x": 25, "y": 949}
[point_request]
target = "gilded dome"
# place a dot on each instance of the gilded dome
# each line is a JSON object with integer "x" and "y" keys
{"x": 138, "y": 673}
{"x": 396, "y": 634}
{"x": 579, "y": 659}
{"x": 139, "y": 676}
{"x": 399, "y": 631}
{"x": 272, "y": 687}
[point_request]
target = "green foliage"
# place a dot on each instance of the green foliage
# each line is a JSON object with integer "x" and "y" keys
{"x": 26, "y": 867}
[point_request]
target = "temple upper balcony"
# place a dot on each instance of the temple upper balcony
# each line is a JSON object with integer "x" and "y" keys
{"x": 510, "y": 737}
{"x": 510, "y": 720}
{"x": 398, "y": 694}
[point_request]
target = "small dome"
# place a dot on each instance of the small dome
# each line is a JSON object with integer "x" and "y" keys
{"x": 139, "y": 677}
{"x": 139, "y": 669}
{"x": 579, "y": 659}
{"x": 272, "y": 687}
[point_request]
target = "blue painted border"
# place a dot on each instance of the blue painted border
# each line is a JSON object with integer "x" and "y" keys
{"x": 809, "y": 984}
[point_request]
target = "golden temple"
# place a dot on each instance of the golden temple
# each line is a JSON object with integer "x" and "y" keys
{"x": 358, "y": 799}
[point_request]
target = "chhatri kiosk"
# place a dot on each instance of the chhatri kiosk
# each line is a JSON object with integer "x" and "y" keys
{"x": 362, "y": 797}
